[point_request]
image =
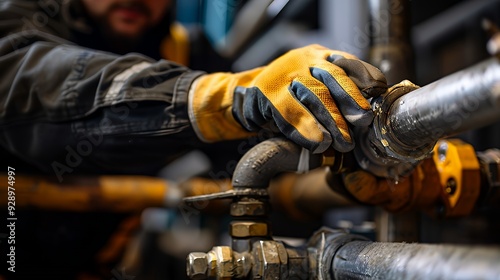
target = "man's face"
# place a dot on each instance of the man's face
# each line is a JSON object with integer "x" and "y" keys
{"x": 127, "y": 18}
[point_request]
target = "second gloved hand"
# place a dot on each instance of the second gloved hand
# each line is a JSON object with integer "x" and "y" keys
{"x": 310, "y": 95}
{"x": 420, "y": 190}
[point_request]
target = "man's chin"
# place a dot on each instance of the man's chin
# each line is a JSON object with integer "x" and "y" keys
{"x": 122, "y": 40}
{"x": 128, "y": 32}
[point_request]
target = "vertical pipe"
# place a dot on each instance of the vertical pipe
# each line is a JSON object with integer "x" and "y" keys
{"x": 347, "y": 26}
{"x": 391, "y": 47}
{"x": 391, "y": 52}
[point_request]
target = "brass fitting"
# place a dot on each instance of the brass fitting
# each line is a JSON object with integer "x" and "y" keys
{"x": 268, "y": 259}
{"x": 216, "y": 263}
{"x": 224, "y": 262}
{"x": 244, "y": 229}
{"x": 197, "y": 266}
{"x": 250, "y": 207}
{"x": 271, "y": 260}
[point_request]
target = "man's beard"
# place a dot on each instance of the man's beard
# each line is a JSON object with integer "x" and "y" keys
{"x": 121, "y": 43}
{"x": 118, "y": 40}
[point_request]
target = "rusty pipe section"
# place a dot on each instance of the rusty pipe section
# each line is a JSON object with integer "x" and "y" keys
{"x": 256, "y": 168}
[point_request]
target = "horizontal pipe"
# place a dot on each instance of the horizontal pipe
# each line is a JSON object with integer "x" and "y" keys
{"x": 93, "y": 193}
{"x": 374, "y": 260}
{"x": 305, "y": 196}
{"x": 462, "y": 101}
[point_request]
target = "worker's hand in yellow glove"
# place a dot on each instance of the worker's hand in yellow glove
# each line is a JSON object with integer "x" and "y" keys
{"x": 310, "y": 95}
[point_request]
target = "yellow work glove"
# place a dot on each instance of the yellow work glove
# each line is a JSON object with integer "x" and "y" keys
{"x": 310, "y": 95}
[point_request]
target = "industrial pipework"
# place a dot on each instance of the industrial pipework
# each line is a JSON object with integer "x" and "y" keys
{"x": 408, "y": 123}
{"x": 410, "y": 120}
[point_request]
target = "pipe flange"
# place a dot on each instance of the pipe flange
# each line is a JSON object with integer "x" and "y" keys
{"x": 384, "y": 138}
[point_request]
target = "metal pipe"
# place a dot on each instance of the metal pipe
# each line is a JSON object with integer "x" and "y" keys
{"x": 373, "y": 260}
{"x": 409, "y": 120}
{"x": 448, "y": 23}
{"x": 256, "y": 168}
{"x": 465, "y": 100}
{"x": 94, "y": 193}
{"x": 336, "y": 254}
{"x": 391, "y": 49}
{"x": 305, "y": 196}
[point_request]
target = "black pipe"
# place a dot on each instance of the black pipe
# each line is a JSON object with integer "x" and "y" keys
{"x": 256, "y": 168}
{"x": 374, "y": 260}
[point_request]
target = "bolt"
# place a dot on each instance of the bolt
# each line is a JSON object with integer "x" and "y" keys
{"x": 197, "y": 266}
{"x": 442, "y": 150}
{"x": 451, "y": 186}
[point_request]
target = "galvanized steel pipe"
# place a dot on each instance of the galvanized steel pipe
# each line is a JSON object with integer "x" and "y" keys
{"x": 462, "y": 101}
{"x": 373, "y": 260}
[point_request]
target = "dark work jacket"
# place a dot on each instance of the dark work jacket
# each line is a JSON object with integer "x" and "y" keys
{"x": 69, "y": 105}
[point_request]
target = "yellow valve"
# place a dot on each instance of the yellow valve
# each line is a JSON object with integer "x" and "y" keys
{"x": 459, "y": 175}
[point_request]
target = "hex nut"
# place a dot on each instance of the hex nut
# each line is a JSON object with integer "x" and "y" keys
{"x": 197, "y": 266}
{"x": 212, "y": 264}
{"x": 224, "y": 258}
{"x": 248, "y": 208}
{"x": 248, "y": 229}
{"x": 271, "y": 259}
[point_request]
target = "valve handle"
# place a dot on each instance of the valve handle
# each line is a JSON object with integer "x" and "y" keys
{"x": 230, "y": 194}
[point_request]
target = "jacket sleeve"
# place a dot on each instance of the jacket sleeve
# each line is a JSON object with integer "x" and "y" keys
{"x": 67, "y": 109}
